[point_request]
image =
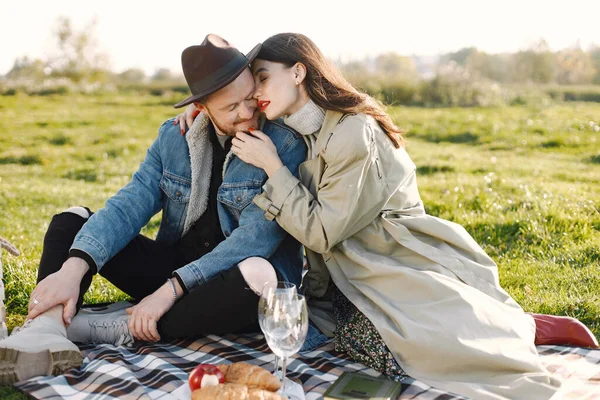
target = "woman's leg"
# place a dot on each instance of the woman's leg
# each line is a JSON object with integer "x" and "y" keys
{"x": 356, "y": 335}
{"x": 256, "y": 272}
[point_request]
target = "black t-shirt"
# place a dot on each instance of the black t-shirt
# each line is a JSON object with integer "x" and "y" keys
{"x": 206, "y": 234}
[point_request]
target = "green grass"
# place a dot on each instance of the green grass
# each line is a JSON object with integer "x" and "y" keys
{"x": 522, "y": 180}
{"x": 8, "y": 393}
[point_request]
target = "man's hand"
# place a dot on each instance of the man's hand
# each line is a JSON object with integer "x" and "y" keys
{"x": 61, "y": 287}
{"x": 145, "y": 315}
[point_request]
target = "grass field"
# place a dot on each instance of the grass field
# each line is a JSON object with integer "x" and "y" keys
{"x": 522, "y": 180}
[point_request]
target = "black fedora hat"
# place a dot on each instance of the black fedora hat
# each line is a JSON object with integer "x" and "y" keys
{"x": 212, "y": 65}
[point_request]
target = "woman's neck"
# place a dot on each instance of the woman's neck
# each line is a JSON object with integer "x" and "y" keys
{"x": 308, "y": 119}
{"x": 303, "y": 98}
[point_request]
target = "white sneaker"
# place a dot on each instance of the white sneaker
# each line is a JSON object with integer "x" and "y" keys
{"x": 39, "y": 347}
{"x": 102, "y": 325}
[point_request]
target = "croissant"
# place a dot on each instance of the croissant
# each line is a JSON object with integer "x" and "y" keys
{"x": 250, "y": 375}
{"x": 233, "y": 391}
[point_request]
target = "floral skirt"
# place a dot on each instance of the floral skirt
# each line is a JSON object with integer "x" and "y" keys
{"x": 356, "y": 335}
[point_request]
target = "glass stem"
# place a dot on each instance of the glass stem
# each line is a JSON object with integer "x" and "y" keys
{"x": 276, "y": 365}
{"x": 283, "y": 367}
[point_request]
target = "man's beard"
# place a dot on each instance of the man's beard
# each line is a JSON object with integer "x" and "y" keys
{"x": 232, "y": 130}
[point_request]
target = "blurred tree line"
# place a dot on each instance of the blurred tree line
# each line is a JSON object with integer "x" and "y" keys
{"x": 571, "y": 66}
{"x": 463, "y": 78}
{"x": 473, "y": 77}
{"x": 78, "y": 64}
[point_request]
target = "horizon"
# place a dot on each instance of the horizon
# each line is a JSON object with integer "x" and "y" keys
{"x": 158, "y": 35}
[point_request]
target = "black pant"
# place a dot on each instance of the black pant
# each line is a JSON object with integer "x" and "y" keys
{"x": 224, "y": 304}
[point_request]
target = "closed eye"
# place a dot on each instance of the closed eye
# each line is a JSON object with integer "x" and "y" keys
{"x": 235, "y": 105}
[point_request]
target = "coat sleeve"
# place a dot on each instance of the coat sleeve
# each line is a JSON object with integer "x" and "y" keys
{"x": 351, "y": 193}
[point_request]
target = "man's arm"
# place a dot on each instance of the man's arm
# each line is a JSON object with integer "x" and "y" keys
{"x": 255, "y": 236}
{"x": 125, "y": 213}
{"x": 103, "y": 235}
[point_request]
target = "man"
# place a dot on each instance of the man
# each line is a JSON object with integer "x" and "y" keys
{"x": 214, "y": 249}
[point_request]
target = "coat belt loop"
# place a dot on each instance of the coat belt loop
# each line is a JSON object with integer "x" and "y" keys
{"x": 272, "y": 212}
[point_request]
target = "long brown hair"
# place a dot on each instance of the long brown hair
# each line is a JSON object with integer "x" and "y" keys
{"x": 325, "y": 84}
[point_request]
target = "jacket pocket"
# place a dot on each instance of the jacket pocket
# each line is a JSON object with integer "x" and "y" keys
{"x": 239, "y": 196}
{"x": 176, "y": 188}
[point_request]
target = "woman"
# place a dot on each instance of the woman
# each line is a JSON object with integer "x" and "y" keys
{"x": 412, "y": 294}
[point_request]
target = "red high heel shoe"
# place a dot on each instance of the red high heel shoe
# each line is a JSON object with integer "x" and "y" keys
{"x": 559, "y": 330}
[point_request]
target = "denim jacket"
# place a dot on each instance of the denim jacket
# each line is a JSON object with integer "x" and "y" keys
{"x": 163, "y": 183}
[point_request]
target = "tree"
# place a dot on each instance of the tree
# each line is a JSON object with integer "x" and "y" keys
{"x": 78, "y": 58}
{"x": 132, "y": 75}
{"x": 354, "y": 68}
{"x": 490, "y": 66}
{"x": 595, "y": 56}
{"x": 25, "y": 68}
{"x": 460, "y": 57}
{"x": 574, "y": 66}
{"x": 396, "y": 66}
{"x": 534, "y": 65}
{"x": 162, "y": 75}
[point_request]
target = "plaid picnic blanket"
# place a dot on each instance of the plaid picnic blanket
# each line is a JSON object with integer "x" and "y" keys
{"x": 155, "y": 371}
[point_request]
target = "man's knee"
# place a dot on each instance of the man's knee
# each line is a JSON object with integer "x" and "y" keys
{"x": 256, "y": 272}
{"x": 64, "y": 226}
{"x": 82, "y": 212}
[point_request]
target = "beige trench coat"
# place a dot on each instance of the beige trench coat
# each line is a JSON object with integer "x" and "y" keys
{"x": 427, "y": 286}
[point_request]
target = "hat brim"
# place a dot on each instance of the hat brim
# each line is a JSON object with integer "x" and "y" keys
{"x": 250, "y": 57}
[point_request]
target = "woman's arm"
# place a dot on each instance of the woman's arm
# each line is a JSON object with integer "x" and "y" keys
{"x": 351, "y": 193}
{"x": 186, "y": 118}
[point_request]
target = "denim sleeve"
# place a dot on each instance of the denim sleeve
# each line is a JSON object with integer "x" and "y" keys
{"x": 127, "y": 212}
{"x": 255, "y": 236}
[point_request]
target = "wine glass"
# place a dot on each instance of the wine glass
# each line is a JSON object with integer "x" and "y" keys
{"x": 285, "y": 326}
{"x": 270, "y": 289}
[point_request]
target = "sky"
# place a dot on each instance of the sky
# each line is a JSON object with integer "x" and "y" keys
{"x": 151, "y": 35}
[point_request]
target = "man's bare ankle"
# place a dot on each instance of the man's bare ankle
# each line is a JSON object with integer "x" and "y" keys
{"x": 55, "y": 313}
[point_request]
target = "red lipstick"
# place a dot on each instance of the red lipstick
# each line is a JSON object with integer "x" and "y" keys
{"x": 262, "y": 104}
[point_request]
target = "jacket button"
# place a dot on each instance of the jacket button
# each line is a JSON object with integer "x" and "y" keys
{"x": 227, "y": 234}
{"x": 206, "y": 244}
{"x": 239, "y": 199}
{"x": 178, "y": 193}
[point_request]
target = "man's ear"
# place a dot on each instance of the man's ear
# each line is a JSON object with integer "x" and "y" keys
{"x": 199, "y": 106}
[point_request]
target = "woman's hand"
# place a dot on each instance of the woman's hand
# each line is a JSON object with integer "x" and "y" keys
{"x": 186, "y": 119}
{"x": 145, "y": 315}
{"x": 257, "y": 149}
